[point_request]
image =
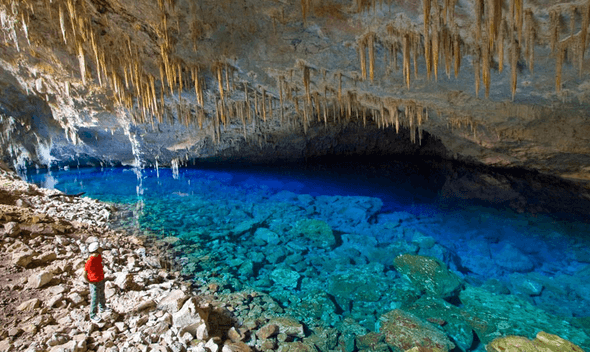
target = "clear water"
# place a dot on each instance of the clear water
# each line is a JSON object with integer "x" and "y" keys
{"x": 548, "y": 265}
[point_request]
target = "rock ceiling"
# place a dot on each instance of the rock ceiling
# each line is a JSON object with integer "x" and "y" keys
{"x": 504, "y": 82}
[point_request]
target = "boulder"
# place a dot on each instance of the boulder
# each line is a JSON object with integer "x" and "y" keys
{"x": 267, "y": 236}
{"x": 23, "y": 259}
{"x": 285, "y": 277}
{"x": 191, "y": 316}
{"x": 428, "y": 274}
{"x": 125, "y": 281}
{"x": 11, "y": 229}
{"x": 29, "y": 305}
{"x": 404, "y": 331}
{"x": 542, "y": 342}
{"x": 316, "y": 231}
{"x": 289, "y": 326}
{"x": 268, "y": 330}
{"x": 173, "y": 301}
{"x": 40, "y": 279}
{"x": 491, "y": 315}
{"x": 512, "y": 259}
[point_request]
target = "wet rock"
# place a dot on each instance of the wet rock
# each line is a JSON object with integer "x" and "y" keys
{"x": 267, "y": 236}
{"x": 289, "y": 326}
{"x": 404, "y": 330}
{"x": 512, "y": 259}
{"x": 267, "y": 331}
{"x": 525, "y": 284}
{"x": 285, "y": 277}
{"x": 542, "y": 342}
{"x": 316, "y": 231}
{"x": 491, "y": 316}
{"x": 450, "y": 318}
{"x": 428, "y": 274}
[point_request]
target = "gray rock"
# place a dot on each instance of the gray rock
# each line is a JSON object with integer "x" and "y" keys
{"x": 268, "y": 330}
{"x": 145, "y": 306}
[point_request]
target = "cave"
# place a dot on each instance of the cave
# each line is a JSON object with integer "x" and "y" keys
{"x": 404, "y": 142}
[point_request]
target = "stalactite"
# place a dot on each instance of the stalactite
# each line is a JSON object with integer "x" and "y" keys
{"x": 95, "y": 50}
{"x": 514, "y": 55}
{"x": 180, "y": 83}
{"x": 371, "y": 45}
{"x": 584, "y": 34}
{"x": 72, "y": 12}
{"x": 530, "y": 39}
{"x": 500, "y": 45}
{"x": 427, "y": 56}
{"x": 362, "y": 48}
{"x": 494, "y": 20}
{"x": 436, "y": 45}
{"x": 82, "y": 62}
{"x": 447, "y": 42}
{"x": 407, "y": 59}
{"x": 477, "y": 69}
{"x": 486, "y": 58}
{"x": 519, "y": 15}
{"x": 559, "y": 67}
{"x": 573, "y": 11}
{"x": 281, "y": 79}
{"x": 478, "y": 15}
{"x": 307, "y": 83}
{"x": 457, "y": 53}
{"x": 62, "y": 24}
{"x": 415, "y": 46}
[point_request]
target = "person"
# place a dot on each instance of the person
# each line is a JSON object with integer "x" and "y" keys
{"x": 94, "y": 275}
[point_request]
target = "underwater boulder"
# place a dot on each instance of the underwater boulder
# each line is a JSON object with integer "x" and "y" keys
{"x": 450, "y": 318}
{"x": 492, "y": 315}
{"x": 403, "y": 331}
{"x": 543, "y": 342}
{"x": 512, "y": 259}
{"x": 285, "y": 277}
{"x": 316, "y": 231}
{"x": 428, "y": 274}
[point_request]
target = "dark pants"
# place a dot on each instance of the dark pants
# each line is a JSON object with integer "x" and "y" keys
{"x": 97, "y": 299}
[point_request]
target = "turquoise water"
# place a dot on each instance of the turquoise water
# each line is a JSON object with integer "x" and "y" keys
{"x": 253, "y": 230}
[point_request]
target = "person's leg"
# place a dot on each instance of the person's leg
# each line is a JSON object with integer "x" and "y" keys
{"x": 93, "y": 300}
{"x": 102, "y": 302}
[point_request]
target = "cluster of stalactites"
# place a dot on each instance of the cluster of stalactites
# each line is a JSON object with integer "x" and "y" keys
{"x": 499, "y": 35}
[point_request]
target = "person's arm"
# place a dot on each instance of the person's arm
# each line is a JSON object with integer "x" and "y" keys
{"x": 85, "y": 276}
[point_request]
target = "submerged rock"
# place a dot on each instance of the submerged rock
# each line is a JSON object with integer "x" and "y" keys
{"x": 543, "y": 342}
{"x": 428, "y": 274}
{"x": 316, "y": 231}
{"x": 492, "y": 316}
{"x": 404, "y": 330}
{"x": 512, "y": 259}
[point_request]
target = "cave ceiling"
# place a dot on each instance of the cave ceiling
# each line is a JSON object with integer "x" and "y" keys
{"x": 502, "y": 82}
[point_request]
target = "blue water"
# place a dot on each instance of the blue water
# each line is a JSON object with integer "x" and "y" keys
{"x": 204, "y": 206}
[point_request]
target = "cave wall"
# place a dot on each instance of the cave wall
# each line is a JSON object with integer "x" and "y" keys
{"x": 114, "y": 82}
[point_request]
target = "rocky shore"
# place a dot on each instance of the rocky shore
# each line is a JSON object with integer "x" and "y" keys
{"x": 44, "y": 299}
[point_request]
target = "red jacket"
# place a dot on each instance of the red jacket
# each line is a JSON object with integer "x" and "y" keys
{"x": 94, "y": 269}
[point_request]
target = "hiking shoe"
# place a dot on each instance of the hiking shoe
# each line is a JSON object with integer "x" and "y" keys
{"x": 94, "y": 318}
{"x": 106, "y": 309}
